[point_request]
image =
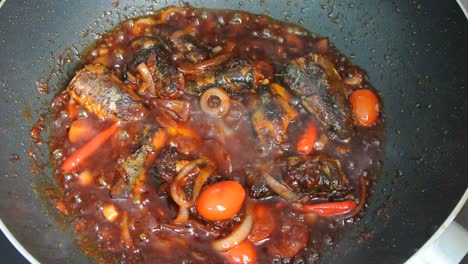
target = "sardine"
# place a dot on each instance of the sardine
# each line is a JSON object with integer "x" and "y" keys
{"x": 97, "y": 89}
{"x": 235, "y": 76}
{"x": 155, "y": 53}
{"x": 319, "y": 176}
{"x": 319, "y": 86}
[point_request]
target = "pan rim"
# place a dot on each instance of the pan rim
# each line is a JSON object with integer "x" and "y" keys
{"x": 423, "y": 251}
{"x": 22, "y": 250}
{"x": 464, "y": 6}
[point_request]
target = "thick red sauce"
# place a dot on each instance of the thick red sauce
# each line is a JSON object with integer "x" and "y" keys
{"x": 137, "y": 225}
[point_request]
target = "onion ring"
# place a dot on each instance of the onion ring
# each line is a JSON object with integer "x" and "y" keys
{"x": 240, "y": 233}
{"x": 200, "y": 180}
{"x": 204, "y": 65}
{"x": 178, "y": 194}
{"x": 147, "y": 78}
{"x": 182, "y": 216}
{"x": 278, "y": 187}
{"x": 219, "y": 110}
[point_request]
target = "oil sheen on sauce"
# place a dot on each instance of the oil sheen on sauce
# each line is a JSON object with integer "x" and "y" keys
{"x": 114, "y": 226}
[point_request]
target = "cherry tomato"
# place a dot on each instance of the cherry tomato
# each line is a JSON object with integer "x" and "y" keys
{"x": 365, "y": 107}
{"x": 292, "y": 238}
{"x": 264, "y": 224}
{"x": 81, "y": 129}
{"x": 305, "y": 144}
{"x": 244, "y": 253}
{"x": 221, "y": 200}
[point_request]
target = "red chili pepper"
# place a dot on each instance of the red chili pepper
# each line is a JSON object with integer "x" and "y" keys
{"x": 89, "y": 148}
{"x": 329, "y": 209}
{"x": 305, "y": 144}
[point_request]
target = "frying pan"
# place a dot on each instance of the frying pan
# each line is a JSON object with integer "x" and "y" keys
{"x": 415, "y": 53}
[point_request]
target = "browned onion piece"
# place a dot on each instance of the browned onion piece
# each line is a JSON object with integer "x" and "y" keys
{"x": 240, "y": 233}
{"x": 321, "y": 142}
{"x": 165, "y": 119}
{"x": 147, "y": 78}
{"x": 362, "y": 201}
{"x": 322, "y": 45}
{"x": 354, "y": 79}
{"x": 204, "y": 65}
{"x": 328, "y": 66}
{"x": 235, "y": 115}
{"x": 178, "y": 109}
{"x": 168, "y": 12}
{"x": 182, "y": 216}
{"x": 222, "y": 130}
{"x": 200, "y": 180}
{"x": 177, "y": 192}
{"x": 278, "y": 187}
{"x": 215, "y": 102}
{"x": 125, "y": 230}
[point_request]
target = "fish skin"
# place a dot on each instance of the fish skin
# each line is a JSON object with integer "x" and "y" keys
{"x": 315, "y": 81}
{"x": 97, "y": 89}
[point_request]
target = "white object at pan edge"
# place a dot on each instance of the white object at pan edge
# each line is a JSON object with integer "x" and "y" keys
{"x": 449, "y": 244}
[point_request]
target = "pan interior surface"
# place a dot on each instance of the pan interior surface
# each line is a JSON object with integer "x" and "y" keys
{"x": 414, "y": 53}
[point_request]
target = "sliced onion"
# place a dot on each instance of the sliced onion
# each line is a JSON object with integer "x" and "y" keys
{"x": 320, "y": 144}
{"x": 174, "y": 37}
{"x": 125, "y": 230}
{"x": 322, "y": 45}
{"x": 219, "y": 110}
{"x": 217, "y": 49}
{"x": 225, "y": 130}
{"x": 205, "y": 65}
{"x": 144, "y": 21}
{"x": 278, "y": 187}
{"x": 168, "y": 12}
{"x": 355, "y": 78}
{"x": 164, "y": 119}
{"x": 238, "y": 235}
{"x": 362, "y": 201}
{"x": 182, "y": 216}
{"x": 235, "y": 115}
{"x": 147, "y": 78}
{"x": 200, "y": 181}
{"x": 328, "y": 66}
{"x": 178, "y": 34}
{"x": 178, "y": 109}
{"x": 177, "y": 192}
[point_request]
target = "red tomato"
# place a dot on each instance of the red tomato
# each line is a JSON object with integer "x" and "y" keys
{"x": 264, "y": 224}
{"x": 244, "y": 253}
{"x": 221, "y": 200}
{"x": 81, "y": 129}
{"x": 365, "y": 107}
{"x": 305, "y": 144}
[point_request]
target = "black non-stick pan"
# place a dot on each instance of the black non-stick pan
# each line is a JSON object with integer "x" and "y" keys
{"x": 415, "y": 53}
